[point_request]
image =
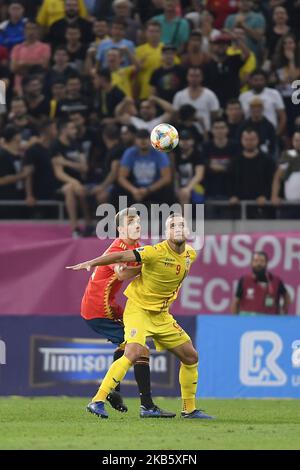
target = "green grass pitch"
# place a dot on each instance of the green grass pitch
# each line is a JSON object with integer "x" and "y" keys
{"x": 63, "y": 423}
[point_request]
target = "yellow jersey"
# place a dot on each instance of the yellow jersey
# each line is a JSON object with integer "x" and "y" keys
{"x": 163, "y": 271}
{"x": 248, "y": 67}
{"x": 122, "y": 78}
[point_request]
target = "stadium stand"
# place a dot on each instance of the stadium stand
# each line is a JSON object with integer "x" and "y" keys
{"x": 224, "y": 75}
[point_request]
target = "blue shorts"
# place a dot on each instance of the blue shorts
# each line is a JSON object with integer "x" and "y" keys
{"x": 109, "y": 329}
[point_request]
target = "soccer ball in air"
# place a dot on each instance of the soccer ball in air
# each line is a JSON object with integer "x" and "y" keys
{"x": 164, "y": 138}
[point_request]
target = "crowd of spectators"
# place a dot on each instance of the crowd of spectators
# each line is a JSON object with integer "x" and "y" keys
{"x": 87, "y": 80}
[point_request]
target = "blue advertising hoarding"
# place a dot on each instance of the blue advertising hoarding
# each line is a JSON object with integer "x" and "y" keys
{"x": 251, "y": 356}
{"x": 63, "y": 356}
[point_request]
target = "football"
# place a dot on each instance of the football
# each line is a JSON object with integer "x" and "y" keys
{"x": 164, "y": 137}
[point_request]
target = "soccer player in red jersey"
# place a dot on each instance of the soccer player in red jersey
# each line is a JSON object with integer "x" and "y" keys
{"x": 101, "y": 312}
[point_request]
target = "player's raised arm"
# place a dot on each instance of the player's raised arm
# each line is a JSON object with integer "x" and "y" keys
{"x": 118, "y": 257}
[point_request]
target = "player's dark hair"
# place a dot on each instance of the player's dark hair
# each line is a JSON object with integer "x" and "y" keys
{"x": 260, "y": 253}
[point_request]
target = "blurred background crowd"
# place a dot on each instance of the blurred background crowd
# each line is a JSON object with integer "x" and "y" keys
{"x": 86, "y": 81}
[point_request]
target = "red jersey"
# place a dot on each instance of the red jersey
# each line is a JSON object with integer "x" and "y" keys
{"x": 99, "y": 297}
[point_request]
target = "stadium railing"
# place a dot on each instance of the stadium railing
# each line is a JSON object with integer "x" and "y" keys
{"x": 243, "y": 205}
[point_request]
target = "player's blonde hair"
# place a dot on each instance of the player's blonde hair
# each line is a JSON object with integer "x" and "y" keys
{"x": 128, "y": 212}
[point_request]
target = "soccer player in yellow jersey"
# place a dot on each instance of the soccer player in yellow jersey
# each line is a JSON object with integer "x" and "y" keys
{"x": 164, "y": 267}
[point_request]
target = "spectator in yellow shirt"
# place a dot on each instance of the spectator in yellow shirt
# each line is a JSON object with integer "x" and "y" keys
{"x": 250, "y": 64}
{"x": 122, "y": 77}
{"x": 149, "y": 56}
{"x": 53, "y": 10}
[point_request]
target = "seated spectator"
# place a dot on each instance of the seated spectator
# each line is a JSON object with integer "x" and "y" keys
{"x": 12, "y": 30}
{"x": 86, "y": 136}
{"x": 175, "y": 30}
{"x": 122, "y": 77}
{"x": 187, "y": 121}
{"x": 193, "y": 55}
{"x": 70, "y": 167}
{"x": 118, "y": 32}
{"x": 57, "y": 93}
{"x": 12, "y": 175}
{"x": 128, "y": 133}
{"x": 54, "y": 10}
{"x": 107, "y": 96}
{"x": 57, "y": 32}
{"x": 264, "y": 129}
{"x": 169, "y": 78}
{"x": 222, "y": 72}
{"x": 61, "y": 68}
{"x": 287, "y": 70}
{"x": 122, "y": 9}
{"x": 234, "y": 118}
{"x": 147, "y": 117}
{"x": 30, "y": 52}
{"x": 218, "y": 155}
{"x": 145, "y": 174}
{"x": 204, "y": 100}
{"x": 149, "y": 56}
{"x": 41, "y": 184}
{"x": 251, "y": 175}
{"x": 101, "y": 33}
{"x": 73, "y": 99}
{"x": 37, "y": 103}
{"x": 19, "y": 118}
{"x": 252, "y": 23}
{"x": 75, "y": 48}
{"x": 288, "y": 173}
{"x": 189, "y": 167}
{"x": 274, "y": 109}
{"x": 104, "y": 165}
{"x": 279, "y": 29}
{"x": 250, "y": 63}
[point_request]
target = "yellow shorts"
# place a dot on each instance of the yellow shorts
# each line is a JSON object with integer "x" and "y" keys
{"x": 162, "y": 327}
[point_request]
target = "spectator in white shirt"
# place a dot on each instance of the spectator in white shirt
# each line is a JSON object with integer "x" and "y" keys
{"x": 147, "y": 117}
{"x": 203, "y": 99}
{"x": 274, "y": 109}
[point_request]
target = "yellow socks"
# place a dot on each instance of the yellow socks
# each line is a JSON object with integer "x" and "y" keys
{"x": 188, "y": 378}
{"x": 114, "y": 376}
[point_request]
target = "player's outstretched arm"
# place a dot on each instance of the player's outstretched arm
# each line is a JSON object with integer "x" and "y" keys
{"x": 124, "y": 272}
{"x": 118, "y": 257}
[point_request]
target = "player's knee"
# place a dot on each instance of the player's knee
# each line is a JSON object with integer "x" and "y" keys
{"x": 191, "y": 358}
{"x": 145, "y": 352}
{"x": 133, "y": 352}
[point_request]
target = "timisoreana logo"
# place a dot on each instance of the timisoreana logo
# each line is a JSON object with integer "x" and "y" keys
{"x": 75, "y": 361}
